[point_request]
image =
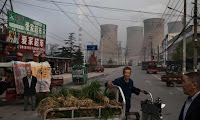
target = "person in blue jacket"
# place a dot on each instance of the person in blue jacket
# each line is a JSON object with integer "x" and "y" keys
{"x": 126, "y": 83}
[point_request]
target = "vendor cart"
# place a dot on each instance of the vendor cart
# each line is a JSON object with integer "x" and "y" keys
{"x": 172, "y": 79}
{"x": 73, "y": 111}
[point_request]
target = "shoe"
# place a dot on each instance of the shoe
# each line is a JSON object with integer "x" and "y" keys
{"x": 25, "y": 109}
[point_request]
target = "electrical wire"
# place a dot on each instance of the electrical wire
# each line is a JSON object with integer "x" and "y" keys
{"x": 74, "y": 21}
{"x": 31, "y": 5}
{"x": 105, "y": 8}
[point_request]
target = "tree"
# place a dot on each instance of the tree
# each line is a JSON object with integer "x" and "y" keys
{"x": 70, "y": 49}
{"x": 110, "y": 62}
{"x": 178, "y": 55}
{"x": 78, "y": 57}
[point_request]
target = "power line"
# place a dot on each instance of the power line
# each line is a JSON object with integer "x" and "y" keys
{"x": 177, "y": 37}
{"x": 74, "y": 21}
{"x": 99, "y": 23}
{"x": 162, "y": 16}
{"x": 85, "y": 15}
{"x": 169, "y": 19}
{"x": 123, "y": 20}
{"x": 106, "y": 8}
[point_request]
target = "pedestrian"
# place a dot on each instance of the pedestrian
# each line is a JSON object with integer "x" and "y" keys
{"x": 191, "y": 87}
{"x": 126, "y": 83}
{"x": 29, "y": 90}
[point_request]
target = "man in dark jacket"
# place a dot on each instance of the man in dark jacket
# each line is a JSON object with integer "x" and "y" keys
{"x": 29, "y": 89}
{"x": 191, "y": 87}
{"x": 126, "y": 83}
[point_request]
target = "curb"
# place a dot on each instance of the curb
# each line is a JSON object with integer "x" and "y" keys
{"x": 104, "y": 74}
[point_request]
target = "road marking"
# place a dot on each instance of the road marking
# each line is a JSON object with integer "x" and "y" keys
{"x": 156, "y": 76}
{"x": 171, "y": 93}
{"x": 179, "y": 89}
{"x": 149, "y": 82}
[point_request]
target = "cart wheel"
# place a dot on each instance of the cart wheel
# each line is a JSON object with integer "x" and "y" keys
{"x": 168, "y": 84}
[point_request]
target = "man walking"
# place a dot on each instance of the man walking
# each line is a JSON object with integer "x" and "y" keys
{"x": 126, "y": 83}
{"x": 29, "y": 90}
{"x": 191, "y": 87}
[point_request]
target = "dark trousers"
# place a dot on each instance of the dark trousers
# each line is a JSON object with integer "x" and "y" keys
{"x": 26, "y": 101}
{"x": 3, "y": 87}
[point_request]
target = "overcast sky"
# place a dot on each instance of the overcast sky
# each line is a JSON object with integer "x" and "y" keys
{"x": 59, "y": 24}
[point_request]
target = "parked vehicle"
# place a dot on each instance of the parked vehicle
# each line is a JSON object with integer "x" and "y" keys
{"x": 99, "y": 68}
{"x": 152, "y": 67}
{"x": 172, "y": 79}
{"x": 79, "y": 74}
{"x": 144, "y": 65}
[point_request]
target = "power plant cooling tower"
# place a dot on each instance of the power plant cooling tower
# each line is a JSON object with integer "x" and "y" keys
{"x": 134, "y": 43}
{"x": 108, "y": 45}
{"x": 175, "y": 27}
{"x": 153, "y": 36}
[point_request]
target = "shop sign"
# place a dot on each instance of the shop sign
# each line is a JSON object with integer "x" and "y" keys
{"x": 25, "y": 25}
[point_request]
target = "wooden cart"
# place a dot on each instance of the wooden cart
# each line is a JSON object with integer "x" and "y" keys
{"x": 172, "y": 79}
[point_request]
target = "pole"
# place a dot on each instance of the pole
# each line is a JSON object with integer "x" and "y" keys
{"x": 195, "y": 37}
{"x": 84, "y": 55}
{"x": 184, "y": 39}
{"x": 102, "y": 51}
{"x": 144, "y": 54}
{"x": 151, "y": 51}
{"x": 11, "y": 5}
{"x": 158, "y": 53}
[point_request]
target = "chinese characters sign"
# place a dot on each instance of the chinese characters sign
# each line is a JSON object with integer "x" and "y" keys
{"x": 25, "y": 25}
{"x": 31, "y": 44}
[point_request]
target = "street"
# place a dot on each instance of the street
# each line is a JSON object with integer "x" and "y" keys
{"x": 173, "y": 97}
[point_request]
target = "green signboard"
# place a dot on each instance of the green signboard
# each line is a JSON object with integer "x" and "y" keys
{"x": 25, "y": 25}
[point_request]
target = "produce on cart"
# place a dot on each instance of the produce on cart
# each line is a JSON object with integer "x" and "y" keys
{"x": 76, "y": 103}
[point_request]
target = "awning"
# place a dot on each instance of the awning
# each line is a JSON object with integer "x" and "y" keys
{"x": 8, "y": 64}
{"x": 10, "y": 43}
{"x": 59, "y": 58}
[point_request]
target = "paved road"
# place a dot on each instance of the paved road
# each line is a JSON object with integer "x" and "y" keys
{"x": 173, "y": 97}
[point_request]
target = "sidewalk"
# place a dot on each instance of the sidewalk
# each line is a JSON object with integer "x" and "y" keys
{"x": 68, "y": 76}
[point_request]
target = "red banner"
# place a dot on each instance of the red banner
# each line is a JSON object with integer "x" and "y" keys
{"x": 31, "y": 44}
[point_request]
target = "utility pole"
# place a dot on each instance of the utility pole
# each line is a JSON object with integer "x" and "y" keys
{"x": 118, "y": 52}
{"x": 151, "y": 51}
{"x": 158, "y": 53}
{"x": 184, "y": 38}
{"x": 84, "y": 48}
{"x": 102, "y": 50}
{"x": 145, "y": 54}
{"x": 195, "y": 37}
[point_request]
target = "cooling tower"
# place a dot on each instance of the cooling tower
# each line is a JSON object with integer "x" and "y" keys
{"x": 134, "y": 43}
{"x": 109, "y": 43}
{"x": 153, "y": 36}
{"x": 175, "y": 27}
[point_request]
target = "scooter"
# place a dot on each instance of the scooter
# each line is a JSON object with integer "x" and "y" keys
{"x": 151, "y": 110}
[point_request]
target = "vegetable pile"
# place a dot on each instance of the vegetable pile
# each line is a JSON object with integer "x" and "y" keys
{"x": 84, "y": 100}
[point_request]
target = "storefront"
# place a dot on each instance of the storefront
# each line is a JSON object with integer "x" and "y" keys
{"x": 23, "y": 39}
{"x": 60, "y": 63}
